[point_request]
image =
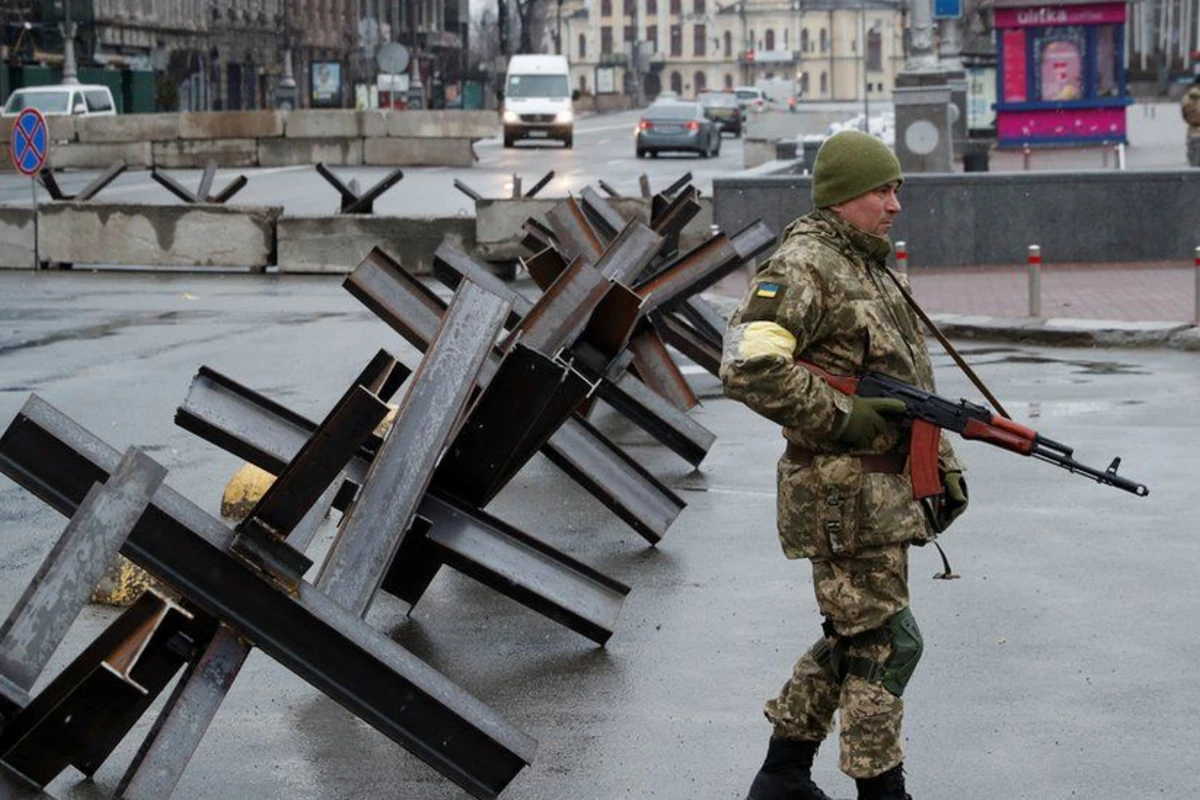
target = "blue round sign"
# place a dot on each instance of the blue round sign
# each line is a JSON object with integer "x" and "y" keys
{"x": 29, "y": 143}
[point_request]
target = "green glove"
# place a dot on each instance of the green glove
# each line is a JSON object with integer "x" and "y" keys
{"x": 866, "y": 421}
{"x": 954, "y": 501}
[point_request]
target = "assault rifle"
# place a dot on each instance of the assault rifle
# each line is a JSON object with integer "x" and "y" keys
{"x": 929, "y": 414}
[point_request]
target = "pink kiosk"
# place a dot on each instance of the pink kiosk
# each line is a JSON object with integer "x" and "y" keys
{"x": 1060, "y": 73}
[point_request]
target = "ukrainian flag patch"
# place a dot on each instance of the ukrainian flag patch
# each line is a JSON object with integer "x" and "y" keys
{"x": 767, "y": 290}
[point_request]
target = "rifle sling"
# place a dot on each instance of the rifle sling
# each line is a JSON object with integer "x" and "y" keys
{"x": 945, "y": 343}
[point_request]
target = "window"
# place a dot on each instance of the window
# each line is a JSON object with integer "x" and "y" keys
{"x": 606, "y": 8}
{"x": 728, "y": 44}
{"x": 805, "y": 45}
{"x": 785, "y": 38}
{"x": 652, "y": 38}
{"x": 700, "y": 82}
{"x": 728, "y": 81}
{"x": 803, "y": 84}
{"x": 676, "y": 7}
{"x": 1108, "y": 59}
{"x": 1059, "y": 61}
{"x": 676, "y": 40}
{"x": 699, "y": 40}
{"x": 98, "y": 100}
{"x": 606, "y": 40}
{"x": 630, "y": 33}
{"x": 824, "y": 40}
{"x": 699, "y": 6}
{"x": 824, "y": 83}
{"x": 631, "y": 8}
{"x": 651, "y": 7}
{"x": 677, "y": 83}
{"x": 582, "y": 46}
{"x": 874, "y": 51}
{"x": 770, "y": 39}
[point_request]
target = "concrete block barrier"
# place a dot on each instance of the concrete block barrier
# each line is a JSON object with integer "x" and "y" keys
{"x": 321, "y": 124}
{"x": 418, "y": 152}
{"x": 79, "y": 155}
{"x": 338, "y": 244}
{"x": 128, "y": 128}
{"x": 231, "y": 124}
{"x": 448, "y": 124}
{"x": 158, "y": 235}
{"x": 16, "y": 238}
{"x": 197, "y": 152}
{"x": 293, "y": 152}
{"x": 498, "y": 232}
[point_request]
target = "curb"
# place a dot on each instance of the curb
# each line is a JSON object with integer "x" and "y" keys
{"x": 1060, "y": 332}
{"x": 1066, "y": 332}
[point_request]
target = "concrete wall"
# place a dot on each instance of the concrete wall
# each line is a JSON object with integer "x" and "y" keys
{"x": 267, "y": 138}
{"x": 199, "y": 235}
{"x": 337, "y": 244}
{"x": 985, "y": 218}
{"x": 16, "y": 238}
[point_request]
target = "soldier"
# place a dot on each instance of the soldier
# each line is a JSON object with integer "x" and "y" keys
{"x": 1191, "y": 115}
{"x": 844, "y": 493}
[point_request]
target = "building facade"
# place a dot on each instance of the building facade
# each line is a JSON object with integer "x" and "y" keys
{"x": 826, "y": 50}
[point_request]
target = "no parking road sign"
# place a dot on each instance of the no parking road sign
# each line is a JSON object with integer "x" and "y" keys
{"x": 30, "y": 142}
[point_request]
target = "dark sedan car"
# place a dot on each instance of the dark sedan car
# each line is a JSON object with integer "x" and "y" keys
{"x": 723, "y": 109}
{"x": 677, "y": 126}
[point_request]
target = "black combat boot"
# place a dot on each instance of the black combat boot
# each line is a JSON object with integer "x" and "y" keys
{"x": 884, "y": 786}
{"x": 786, "y": 774}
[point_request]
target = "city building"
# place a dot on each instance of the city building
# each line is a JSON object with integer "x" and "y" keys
{"x": 822, "y": 50}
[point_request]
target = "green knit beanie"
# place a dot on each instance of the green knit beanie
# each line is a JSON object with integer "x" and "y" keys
{"x": 851, "y": 163}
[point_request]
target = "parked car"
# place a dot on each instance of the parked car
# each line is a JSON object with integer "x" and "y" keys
{"x": 77, "y": 99}
{"x": 751, "y": 99}
{"x": 723, "y": 109}
{"x": 678, "y": 126}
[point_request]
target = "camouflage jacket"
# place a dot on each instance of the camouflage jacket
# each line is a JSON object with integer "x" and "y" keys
{"x": 1191, "y": 110}
{"x": 824, "y": 297}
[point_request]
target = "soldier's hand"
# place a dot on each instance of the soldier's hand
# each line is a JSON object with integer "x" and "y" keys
{"x": 954, "y": 500}
{"x": 867, "y": 421}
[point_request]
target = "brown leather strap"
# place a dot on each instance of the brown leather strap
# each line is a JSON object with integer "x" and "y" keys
{"x": 890, "y": 463}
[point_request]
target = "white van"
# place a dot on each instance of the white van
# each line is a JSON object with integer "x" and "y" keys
{"x": 538, "y": 99}
{"x": 76, "y": 99}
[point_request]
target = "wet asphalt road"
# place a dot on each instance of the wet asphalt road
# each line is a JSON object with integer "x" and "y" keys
{"x": 1061, "y": 664}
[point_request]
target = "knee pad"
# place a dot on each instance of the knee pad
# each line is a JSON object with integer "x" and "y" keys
{"x": 907, "y": 646}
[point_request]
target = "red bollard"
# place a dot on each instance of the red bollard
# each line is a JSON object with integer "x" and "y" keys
{"x": 1035, "y": 280}
{"x": 902, "y": 256}
{"x": 1196, "y": 306}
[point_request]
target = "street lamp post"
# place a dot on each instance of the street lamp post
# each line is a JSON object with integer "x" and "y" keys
{"x": 70, "y": 73}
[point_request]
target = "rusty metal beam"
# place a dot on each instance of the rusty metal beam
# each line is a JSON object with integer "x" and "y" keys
{"x": 654, "y": 365}
{"x": 573, "y": 232}
{"x": 61, "y": 587}
{"x": 690, "y": 274}
{"x": 400, "y": 473}
{"x": 545, "y": 266}
{"x": 85, "y": 711}
{"x": 601, "y": 213}
{"x": 327, "y": 645}
{"x": 601, "y": 467}
{"x": 498, "y": 558}
{"x": 683, "y": 337}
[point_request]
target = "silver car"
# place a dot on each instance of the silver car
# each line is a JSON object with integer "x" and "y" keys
{"x": 676, "y": 126}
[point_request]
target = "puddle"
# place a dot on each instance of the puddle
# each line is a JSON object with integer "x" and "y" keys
{"x": 1068, "y": 408}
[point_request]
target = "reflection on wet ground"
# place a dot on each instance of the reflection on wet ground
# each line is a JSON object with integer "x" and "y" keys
{"x": 1012, "y": 355}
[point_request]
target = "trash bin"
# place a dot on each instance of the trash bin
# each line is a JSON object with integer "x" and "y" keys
{"x": 975, "y": 157}
{"x": 785, "y": 149}
{"x": 811, "y": 144}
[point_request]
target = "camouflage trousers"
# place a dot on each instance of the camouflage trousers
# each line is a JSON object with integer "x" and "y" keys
{"x": 856, "y": 595}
